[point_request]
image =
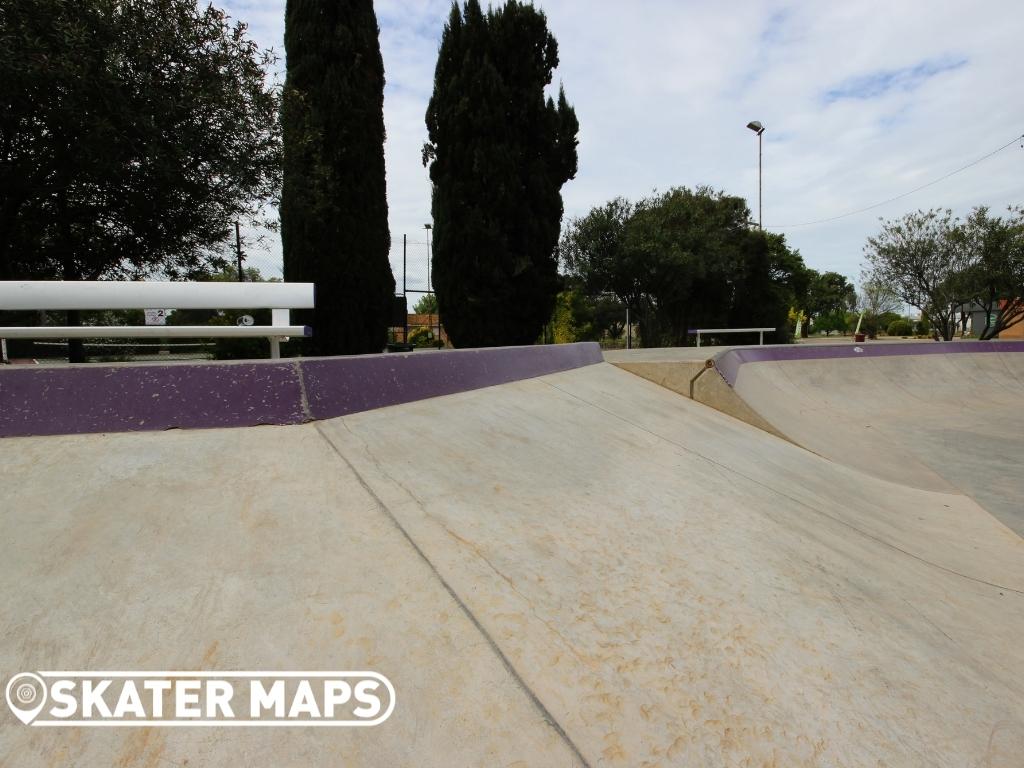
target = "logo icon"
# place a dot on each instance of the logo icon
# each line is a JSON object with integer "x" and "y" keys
{"x": 26, "y": 696}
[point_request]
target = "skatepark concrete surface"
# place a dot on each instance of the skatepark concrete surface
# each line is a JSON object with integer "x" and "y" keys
{"x": 945, "y": 422}
{"x": 580, "y": 568}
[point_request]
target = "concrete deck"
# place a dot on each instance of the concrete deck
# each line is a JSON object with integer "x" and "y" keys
{"x": 578, "y": 569}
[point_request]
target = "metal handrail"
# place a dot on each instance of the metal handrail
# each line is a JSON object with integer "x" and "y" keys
{"x": 761, "y": 332}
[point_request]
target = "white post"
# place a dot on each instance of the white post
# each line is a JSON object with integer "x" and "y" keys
{"x": 761, "y": 333}
{"x": 3, "y": 351}
{"x": 698, "y": 338}
{"x": 275, "y": 347}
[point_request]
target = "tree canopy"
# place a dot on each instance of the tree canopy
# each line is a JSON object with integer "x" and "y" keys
{"x": 936, "y": 262}
{"x": 877, "y": 302}
{"x": 829, "y": 293}
{"x": 499, "y": 152}
{"x": 427, "y": 305}
{"x": 133, "y": 133}
{"x": 994, "y": 276}
{"x": 334, "y": 214}
{"x": 684, "y": 259}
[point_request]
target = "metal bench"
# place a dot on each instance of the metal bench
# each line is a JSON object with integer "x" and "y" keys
{"x": 760, "y": 331}
{"x": 279, "y": 298}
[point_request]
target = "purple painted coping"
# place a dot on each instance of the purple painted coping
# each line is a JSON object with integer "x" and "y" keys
{"x": 728, "y": 363}
{"x": 362, "y": 384}
{"x": 132, "y": 398}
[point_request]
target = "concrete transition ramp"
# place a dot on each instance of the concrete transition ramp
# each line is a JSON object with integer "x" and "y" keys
{"x": 946, "y": 416}
{"x": 579, "y": 568}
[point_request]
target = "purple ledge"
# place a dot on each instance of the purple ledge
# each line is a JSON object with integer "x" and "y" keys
{"x": 131, "y": 398}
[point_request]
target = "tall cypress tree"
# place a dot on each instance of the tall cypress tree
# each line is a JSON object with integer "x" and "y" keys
{"x": 334, "y": 215}
{"x": 499, "y": 153}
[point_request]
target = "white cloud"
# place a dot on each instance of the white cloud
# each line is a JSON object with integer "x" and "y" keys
{"x": 862, "y": 101}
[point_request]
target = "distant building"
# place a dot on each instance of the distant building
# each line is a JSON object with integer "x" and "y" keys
{"x": 1014, "y": 331}
{"x": 973, "y": 321}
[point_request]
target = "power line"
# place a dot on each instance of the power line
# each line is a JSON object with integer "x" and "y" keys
{"x": 899, "y": 197}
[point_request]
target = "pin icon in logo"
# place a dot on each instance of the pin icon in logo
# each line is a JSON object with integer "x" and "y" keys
{"x": 26, "y": 696}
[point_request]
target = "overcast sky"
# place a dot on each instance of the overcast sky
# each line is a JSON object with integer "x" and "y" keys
{"x": 861, "y": 100}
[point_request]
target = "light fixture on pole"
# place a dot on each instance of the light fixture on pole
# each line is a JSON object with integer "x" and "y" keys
{"x": 756, "y": 127}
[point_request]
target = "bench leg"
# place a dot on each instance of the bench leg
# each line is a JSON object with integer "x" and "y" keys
{"x": 275, "y": 348}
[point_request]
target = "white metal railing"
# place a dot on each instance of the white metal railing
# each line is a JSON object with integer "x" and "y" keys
{"x": 279, "y": 298}
{"x": 760, "y": 331}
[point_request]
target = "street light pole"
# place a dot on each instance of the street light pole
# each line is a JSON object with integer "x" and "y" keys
{"x": 757, "y": 128}
{"x": 405, "y": 293}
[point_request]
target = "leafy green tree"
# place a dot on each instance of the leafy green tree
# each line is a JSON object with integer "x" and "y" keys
{"x": 609, "y": 317}
{"x": 833, "y": 321}
{"x": 878, "y": 304}
{"x": 427, "y": 305}
{"x": 994, "y": 278}
{"x": 691, "y": 241}
{"x": 133, "y": 133}
{"x": 686, "y": 258}
{"x": 829, "y": 294}
{"x": 573, "y": 318}
{"x": 596, "y": 253}
{"x": 334, "y": 227}
{"x": 923, "y": 262}
{"x": 768, "y": 279}
{"x": 499, "y": 153}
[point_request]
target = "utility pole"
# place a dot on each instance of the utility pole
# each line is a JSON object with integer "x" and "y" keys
{"x": 238, "y": 251}
{"x": 405, "y": 315}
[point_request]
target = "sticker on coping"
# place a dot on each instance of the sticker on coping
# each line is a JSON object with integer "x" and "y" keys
{"x": 153, "y": 699}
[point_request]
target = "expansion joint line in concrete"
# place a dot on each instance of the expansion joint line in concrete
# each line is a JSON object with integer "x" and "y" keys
{"x": 505, "y": 662}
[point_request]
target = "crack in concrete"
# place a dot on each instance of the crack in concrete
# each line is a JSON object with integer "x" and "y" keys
{"x": 303, "y": 397}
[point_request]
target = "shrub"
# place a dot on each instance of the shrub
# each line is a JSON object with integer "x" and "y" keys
{"x": 422, "y": 337}
{"x": 901, "y": 327}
